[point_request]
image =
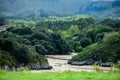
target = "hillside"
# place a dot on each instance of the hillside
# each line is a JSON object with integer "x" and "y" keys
{"x": 59, "y": 7}
{"x": 35, "y": 28}
{"x": 20, "y": 47}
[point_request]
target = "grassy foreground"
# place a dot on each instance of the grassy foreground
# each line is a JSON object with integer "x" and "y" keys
{"x": 59, "y": 76}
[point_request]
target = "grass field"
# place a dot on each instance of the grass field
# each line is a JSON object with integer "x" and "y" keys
{"x": 59, "y": 76}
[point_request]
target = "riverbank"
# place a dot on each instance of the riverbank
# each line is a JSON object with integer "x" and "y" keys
{"x": 59, "y": 63}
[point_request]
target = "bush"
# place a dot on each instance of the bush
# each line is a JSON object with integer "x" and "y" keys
{"x": 118, "y": 65}
{"x": 78, "y": 49}
{"x": 97, "y": 68}
{"x": 7, "y": 59}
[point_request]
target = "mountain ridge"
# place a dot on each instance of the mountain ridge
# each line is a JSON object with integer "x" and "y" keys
{"x": 59, "y": 7}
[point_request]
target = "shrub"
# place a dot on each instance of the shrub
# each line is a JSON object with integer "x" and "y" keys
{"x": 97, "y": 68}
{"x": 118, "y": 65}
{"x": 78, "y": 49}
{"x": 7, "y": 59}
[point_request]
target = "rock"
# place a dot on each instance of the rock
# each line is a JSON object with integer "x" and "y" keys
{"x": 34, "y": 66}
{"x": 5, "y": 67}
{"x": 31, "y": 66}
{"x": 97, "y": 62}
{"x": 79, "y": 63}
{"x": 13, "y": 69}
{"x": 8, "y": 68}
{"x": 107, "y": 64}
{"x": 39, "y": 66}
{"x": 69, "y": 62}
{"x": 89, "y": 62}
{"x": 19, "y": 68}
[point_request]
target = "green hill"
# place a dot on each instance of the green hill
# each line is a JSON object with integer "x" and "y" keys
{"x": 60, "y": 7}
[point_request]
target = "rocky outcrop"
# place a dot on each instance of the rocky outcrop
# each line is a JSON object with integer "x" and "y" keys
{"x": 90, "y": 62}
{"x": 31, "y": 66}
{"x": 107, "y": 64}
{"x": 80, "y": 63}
{"x": 39, "y": 66}
{"x": 9, "y": 68}
{"x": 4, "y": 27}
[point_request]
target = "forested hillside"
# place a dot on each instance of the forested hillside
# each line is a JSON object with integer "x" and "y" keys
{"x": 108, "y": 8}
{"x": 96, "y": 41}
{"x": 26, "y": 47}
{"x": 31, "y": 29}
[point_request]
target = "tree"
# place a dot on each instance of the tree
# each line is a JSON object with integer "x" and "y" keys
{"x": 7, "y": 44}
{"x": 99, "y": 37}
{"x": 91, "y": 33}
{"x": 22, "y": 55}
{"x": 40, "y": 36}
{"x": 40, "y": 49}
{"x": 21, "y": 31}
{"x": 85, "y": 42}
{"x": 77, "y": 47}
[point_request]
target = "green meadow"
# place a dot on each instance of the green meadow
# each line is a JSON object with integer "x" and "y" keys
{"x": 60, "y": 76}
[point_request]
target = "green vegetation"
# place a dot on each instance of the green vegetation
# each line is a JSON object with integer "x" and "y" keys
{"x": 97, "y": 68}
{"x": 27, "y": 40}
{"x": 38, "y": 9}
{"x": 105, "y": 51}
{"x": 59, "y": 75}
{"x": 117, "y": 65}
{"x": 24, "y": 46}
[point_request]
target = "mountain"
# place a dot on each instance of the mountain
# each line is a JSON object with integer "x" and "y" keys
{"x": 59, "y": 7}
{"x": 102, "y": 8}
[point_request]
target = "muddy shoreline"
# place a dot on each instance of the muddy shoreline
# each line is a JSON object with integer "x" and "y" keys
{"x": 59, "y": 63}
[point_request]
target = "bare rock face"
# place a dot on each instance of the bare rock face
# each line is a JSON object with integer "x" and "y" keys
{"x": 80, "y": 63}
{"x": 107, "y": 64}
{"x": 39, "y": 66}
{"x": 8, "y": 68}
{"x": 31, "y": 66}
{"x": 90, "y": 62}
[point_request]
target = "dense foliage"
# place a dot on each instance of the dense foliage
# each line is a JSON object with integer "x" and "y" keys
{"x": 25, "y": 45}
{"x": 107, "y": 50}
{"x": 38, "y": 8}
{"x": 28, "y": 41}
